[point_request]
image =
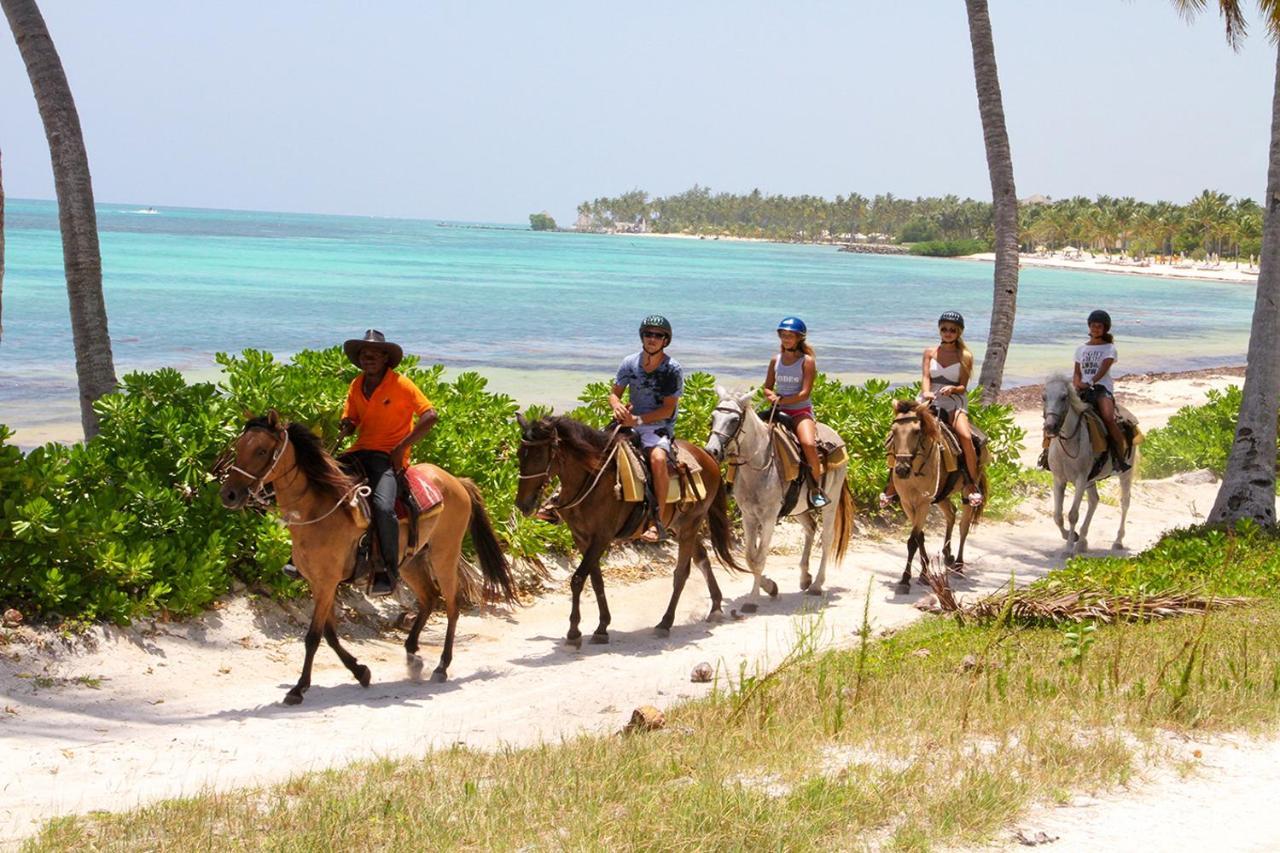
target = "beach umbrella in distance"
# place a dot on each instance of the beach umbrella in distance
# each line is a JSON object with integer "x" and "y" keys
{"x": 95, "y": 370}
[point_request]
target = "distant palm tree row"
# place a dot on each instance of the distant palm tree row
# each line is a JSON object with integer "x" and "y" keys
{"x": 1212, "y": 222}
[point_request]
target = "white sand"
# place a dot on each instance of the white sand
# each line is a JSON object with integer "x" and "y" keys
{"x": 164, "y": 710}
{"x": 1229, "y": 272}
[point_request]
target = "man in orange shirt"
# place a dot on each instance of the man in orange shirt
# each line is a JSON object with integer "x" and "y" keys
{"x": 380, "y": 409}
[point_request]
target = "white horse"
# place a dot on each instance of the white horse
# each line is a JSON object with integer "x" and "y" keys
{"x": 1071, "y": 459}
{"x": 738, "y": 435}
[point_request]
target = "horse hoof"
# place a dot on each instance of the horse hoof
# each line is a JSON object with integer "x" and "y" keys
{"x": 769, "y": 587}
{"x": 575, "y": 642}
{"x": 661, "y": 632}
{"x": 805, "y": 580}
{"x": 1117, "y": 546}
{"x": 599, "y": 639}
{"x": 957, "y": 567}
{"x": 750, "y": 608}
{"x": 292, "y": 698}
{"x": 903, "y": 588}
{"x": 363, "y": 675}
{"x": 716, "y": 617}
{"x": 439, "y": 676}
{"x": 949, "y": 560}
{"x": 813, "y": 590}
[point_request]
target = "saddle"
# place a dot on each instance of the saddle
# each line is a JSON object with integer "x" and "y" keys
{"x": 417, "y": 497}
{"x": 1128, "y": 423}
{"x": 634, "y": 482}
{"x": 786, "y": 447}
{"x": 953, "y": 461}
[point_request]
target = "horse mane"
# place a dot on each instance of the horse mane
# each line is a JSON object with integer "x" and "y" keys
{"x": 585, "y": 443}
{"x": 928, "y": 422}
{"x": 1073, "y": 397}
{"x": 310, "y": 456}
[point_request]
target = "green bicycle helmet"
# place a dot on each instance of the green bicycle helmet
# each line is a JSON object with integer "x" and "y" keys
{"x": 656, "y": 321}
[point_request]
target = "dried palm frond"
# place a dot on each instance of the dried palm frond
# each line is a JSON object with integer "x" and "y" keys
{"x": 1052, "y": 603}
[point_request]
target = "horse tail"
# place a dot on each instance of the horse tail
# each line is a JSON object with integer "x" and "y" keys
{"x": 844, "y": 521}
{"x": 721, "y": 527}
{"x": 499, "y": 585}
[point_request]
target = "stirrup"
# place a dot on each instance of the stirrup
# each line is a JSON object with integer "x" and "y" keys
{"x": 1119, "y": 463}
{"x": 817, "y": 500}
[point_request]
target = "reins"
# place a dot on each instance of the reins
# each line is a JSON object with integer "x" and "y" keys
{"x": 767, "y": 450}
{"x": 554, "y": 442}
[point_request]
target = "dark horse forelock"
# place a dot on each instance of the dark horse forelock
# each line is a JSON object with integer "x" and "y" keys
{"x": 318, "y": 466}
{"x": 928, "y": 422}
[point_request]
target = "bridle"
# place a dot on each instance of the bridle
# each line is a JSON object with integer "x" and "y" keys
{"x": 731, "y": 438}
{"x": 554, "y": 442}
{"x": 1063, "y": 439}
{"x": 919, "y": 445}
{"x": 258, "y": 482}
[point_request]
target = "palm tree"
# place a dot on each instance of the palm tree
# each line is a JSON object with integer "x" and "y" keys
{"x": 1249, "y": 484}
{"x": 1004, "y": 196}
{"x": 80, "y": 256}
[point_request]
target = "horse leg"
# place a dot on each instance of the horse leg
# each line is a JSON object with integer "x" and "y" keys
{"x": 810, "y": 528}
{"x": 966, "y": 519}
{"x": 359, "y": 670}
{"x": 417, "y": 575}
{"x": 683, "y": 558}
{"x": 949, "y": 513}
{"x": 1078, "y": 489}
{"x": 703, "y": 560}
{"x": 601, "y": 633}
{"x": 1059, "y": 492}
{"x": 445, "y": 560}
{"x": 828, "y": 540}
{"x": 1082, "y": 536}
{"x": 1126, "y": 482}
{"x": 590, "y": 554}
{"x": 322, "y": 598}
{"x": 923, "y": 554}
{"x": 904, "y": 583}
{"x": 758, "y": 535}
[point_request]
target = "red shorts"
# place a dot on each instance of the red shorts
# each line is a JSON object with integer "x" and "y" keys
{"x": 804, "y": 413}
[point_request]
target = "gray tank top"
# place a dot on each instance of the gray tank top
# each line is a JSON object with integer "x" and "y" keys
{"x": 788, "y": 379}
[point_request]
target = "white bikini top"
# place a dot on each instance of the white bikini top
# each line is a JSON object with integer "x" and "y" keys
{"x": 938, "y": 373}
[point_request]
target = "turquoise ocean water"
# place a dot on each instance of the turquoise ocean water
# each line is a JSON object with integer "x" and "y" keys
{"x": 544, "y": 312}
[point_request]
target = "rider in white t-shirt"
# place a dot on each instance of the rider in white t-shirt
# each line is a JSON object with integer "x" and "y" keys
{"x": 1094, "y": 383}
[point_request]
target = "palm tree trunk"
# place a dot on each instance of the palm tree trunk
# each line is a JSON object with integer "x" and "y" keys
{"x": 1004, "y": 198}
{"x": 80, "y": 255}
{"x": 1249, "y": 484}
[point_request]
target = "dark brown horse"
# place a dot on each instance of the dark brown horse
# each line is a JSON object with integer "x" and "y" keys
{"x": 316, "y": 501}
{"x": 583, "y": 460}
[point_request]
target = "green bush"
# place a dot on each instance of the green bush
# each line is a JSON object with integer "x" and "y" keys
{"x": 131, "y": 523}
{"x": 950, "y": 248}
{"x": 1196, "y": 437}
{"x": 1240, "y": 560}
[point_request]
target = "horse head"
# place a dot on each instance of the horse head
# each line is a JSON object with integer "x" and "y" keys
{"x": 913, "y": 426}
{"x": 538, "y": 439}
{"x": 1059, "y": 396}
{"x": 254, "y": 459}
{"x": 727, "y": 419}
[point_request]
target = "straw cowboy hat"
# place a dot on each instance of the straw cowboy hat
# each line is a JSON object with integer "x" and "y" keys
{"x": 373, "y": 338}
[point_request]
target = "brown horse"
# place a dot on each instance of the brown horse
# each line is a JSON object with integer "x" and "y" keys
{"x": 583, "y": 460}
{"x": 921, "y": 480}
{"x": 317, "y": 502}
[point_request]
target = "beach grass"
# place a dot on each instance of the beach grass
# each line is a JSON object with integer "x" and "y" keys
{"x": 937, "y": 735}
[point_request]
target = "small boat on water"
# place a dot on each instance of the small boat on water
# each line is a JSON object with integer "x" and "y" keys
{"x": 147, "y": 210}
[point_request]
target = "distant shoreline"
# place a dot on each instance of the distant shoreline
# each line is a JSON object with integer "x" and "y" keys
{"x": 1229, "y": 274}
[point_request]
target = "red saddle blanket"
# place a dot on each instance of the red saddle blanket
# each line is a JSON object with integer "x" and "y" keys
{"x": 422, "y": 490}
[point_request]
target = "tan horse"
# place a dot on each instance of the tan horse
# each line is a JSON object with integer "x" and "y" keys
{"x": 316, "y": 502}
{"x": 921, "y": 480}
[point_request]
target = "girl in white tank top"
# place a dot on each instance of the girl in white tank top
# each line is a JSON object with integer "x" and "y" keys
{"x": 787, "y": 386}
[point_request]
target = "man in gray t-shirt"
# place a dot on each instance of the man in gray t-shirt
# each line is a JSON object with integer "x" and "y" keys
{"x": 653, "y": 382}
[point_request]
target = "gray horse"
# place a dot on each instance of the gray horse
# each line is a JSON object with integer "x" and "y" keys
{"x": 738, "y": 435}
{"x": 1071, "y": 459}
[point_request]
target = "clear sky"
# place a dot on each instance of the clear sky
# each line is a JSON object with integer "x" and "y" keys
{"x": 488, "y": 111}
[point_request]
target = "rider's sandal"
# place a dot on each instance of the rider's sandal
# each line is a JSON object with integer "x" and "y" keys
{"x": 975, "y": 499}
{"x": 887, "y": 500}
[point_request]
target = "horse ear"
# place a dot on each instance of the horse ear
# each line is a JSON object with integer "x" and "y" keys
{"x": 273, "y": 419}
{"x": 721, "y": 391}
{"x": 524, "y": 424}
{"x": 744, "y": 399}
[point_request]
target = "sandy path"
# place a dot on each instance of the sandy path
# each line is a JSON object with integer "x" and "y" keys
{"x": 171, "y": 709}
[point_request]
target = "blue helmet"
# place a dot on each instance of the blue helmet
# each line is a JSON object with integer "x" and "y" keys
{"x": 793, "y": 324}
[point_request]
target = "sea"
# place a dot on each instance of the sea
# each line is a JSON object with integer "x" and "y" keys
{"x": 542, "y": 313}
